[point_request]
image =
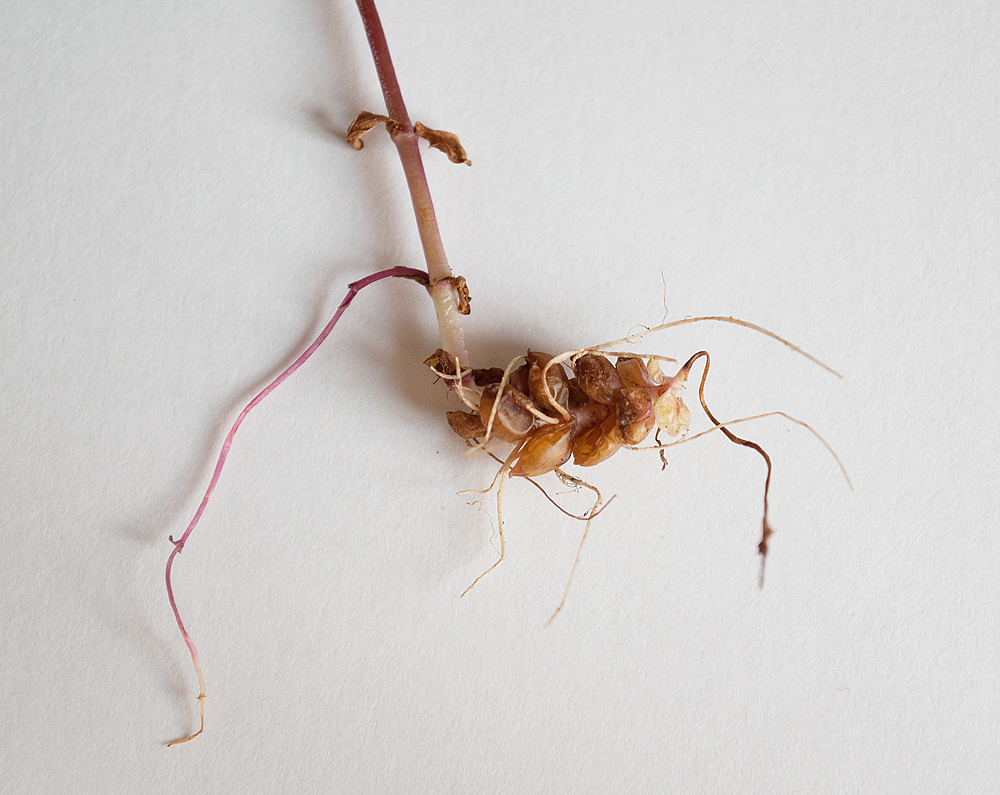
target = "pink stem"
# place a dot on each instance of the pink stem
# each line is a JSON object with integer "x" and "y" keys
{"x": 353, "y": 289}
{"x": 383, "y": 63}
{"x": 442, "y": 289}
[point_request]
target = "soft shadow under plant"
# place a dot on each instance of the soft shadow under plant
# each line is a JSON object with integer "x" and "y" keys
{"x": 539, "y": 412}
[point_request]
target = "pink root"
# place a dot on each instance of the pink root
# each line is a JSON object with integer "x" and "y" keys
{"x": 353, "y": 289}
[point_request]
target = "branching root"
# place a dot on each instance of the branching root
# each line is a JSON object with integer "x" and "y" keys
{"x": 579, "y": 405}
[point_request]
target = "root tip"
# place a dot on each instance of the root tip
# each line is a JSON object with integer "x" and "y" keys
{"x": 182, "y": 740}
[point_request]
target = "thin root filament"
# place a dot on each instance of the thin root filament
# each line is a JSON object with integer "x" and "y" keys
{"x": 591, "y": 514}
{"x": 353, "y": 289}
{"x": 766, "y": 531}
{"x": 633, "y": 338}
{"x": 504, "y": 474}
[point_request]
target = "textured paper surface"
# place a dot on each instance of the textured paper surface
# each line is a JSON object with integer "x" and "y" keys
{"x": 179, "y": 222}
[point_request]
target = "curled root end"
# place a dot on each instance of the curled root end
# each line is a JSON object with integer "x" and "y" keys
{"x": 201, "y": 728}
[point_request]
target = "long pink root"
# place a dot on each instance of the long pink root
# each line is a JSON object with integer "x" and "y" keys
{"x": 353, "y": 289}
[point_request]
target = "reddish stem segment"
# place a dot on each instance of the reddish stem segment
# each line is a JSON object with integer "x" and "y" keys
{"x": 442, "y": 289}
{"x": 353, "y": 289}
{"x": 383, "y": 63}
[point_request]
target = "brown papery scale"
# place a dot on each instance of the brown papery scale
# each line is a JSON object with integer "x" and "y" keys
{"x": 633, "y": 372}
{"x": 585, "y": 411}
{"x": 556, "y": 378}
{"x": 597, "y": 377}
{"x": 549, "y": 447}
{"x": 635, "y": 413}
{"x": 519, "y": 378}
{"x": 442, "y": 363}
{"x": 466, "y": 425}
{"x": 492, "y": 375}
{"x": 513, "y": 419}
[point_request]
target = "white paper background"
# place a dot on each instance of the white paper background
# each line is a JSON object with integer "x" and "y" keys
{"x": 178, "y": 224}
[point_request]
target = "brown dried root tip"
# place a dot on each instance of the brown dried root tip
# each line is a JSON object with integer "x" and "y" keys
{"x": 201, "y": 728}
{"x": 762, "y": 548}
{"x": 443, "y": 141}
{"x": 365, "y": 122}
{"x": 660, "y": 445}
{"x": 766, "y": 532}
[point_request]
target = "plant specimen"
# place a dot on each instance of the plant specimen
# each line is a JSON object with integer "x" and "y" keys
{"x": 546, "y": 409}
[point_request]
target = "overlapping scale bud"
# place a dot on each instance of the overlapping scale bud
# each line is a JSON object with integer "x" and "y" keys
{"x": 552, "y": 416}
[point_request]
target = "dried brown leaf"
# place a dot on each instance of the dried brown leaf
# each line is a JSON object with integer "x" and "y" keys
{"x": 444, "y": 141}
{"x": 363, "y": 123}
{"x": 513, "y": 419}
{"x": 441, "y": 362}
{"x": 466, "y": 425}
{"x": 485, "y": 377}
{"x": 462, "y": 290}
{"x": 598, "y": 378}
